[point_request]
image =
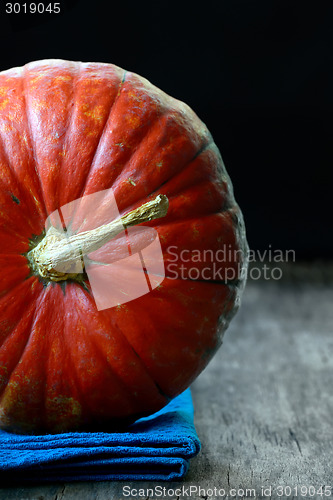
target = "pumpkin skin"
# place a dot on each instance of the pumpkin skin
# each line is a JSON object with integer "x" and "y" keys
{"x": 71, "y": 129}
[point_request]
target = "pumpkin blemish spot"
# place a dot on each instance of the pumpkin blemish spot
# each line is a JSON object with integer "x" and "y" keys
{"x": 16, "y": 200}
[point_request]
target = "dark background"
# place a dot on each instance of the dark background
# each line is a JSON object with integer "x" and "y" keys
{"x": 258, "y": 73}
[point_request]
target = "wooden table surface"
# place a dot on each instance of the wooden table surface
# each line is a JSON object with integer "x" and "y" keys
{"x": 263, "y": 407}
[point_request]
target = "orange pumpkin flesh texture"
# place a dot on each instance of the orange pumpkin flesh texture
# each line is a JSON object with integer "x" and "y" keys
{"x": 70, "y": 129}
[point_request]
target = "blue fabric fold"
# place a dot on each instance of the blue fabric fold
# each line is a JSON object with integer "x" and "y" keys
{"x": 154, "y": 448}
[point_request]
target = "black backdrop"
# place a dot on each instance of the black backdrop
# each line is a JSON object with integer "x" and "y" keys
{"x": 258, "y": 73}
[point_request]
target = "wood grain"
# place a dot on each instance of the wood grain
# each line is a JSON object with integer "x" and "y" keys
{"x": 264, "y": 406}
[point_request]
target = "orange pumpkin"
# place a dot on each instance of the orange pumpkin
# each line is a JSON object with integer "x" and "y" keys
{"x": 69, "y": 130}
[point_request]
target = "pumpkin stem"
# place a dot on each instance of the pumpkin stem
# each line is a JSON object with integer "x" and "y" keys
{"x": 59, "y": 258}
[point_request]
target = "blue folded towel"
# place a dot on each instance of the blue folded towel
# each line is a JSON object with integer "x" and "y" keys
{"x": 155, "y": 448}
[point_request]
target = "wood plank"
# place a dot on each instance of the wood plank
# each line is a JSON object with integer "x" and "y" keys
{"x": 264, "y": 405}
